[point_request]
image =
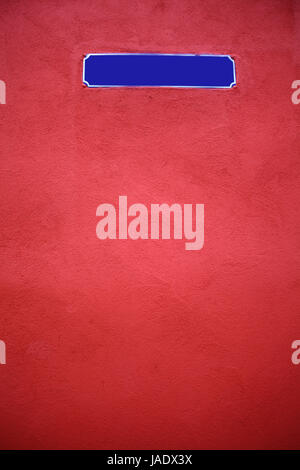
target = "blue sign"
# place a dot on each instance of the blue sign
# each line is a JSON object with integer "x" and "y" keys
{"x": 159, "y": 70}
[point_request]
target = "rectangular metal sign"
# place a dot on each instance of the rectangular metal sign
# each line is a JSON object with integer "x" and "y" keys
{"x": 159, "y": 70}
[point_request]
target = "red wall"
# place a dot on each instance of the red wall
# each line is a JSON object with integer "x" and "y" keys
{"x": 141, "y": 344}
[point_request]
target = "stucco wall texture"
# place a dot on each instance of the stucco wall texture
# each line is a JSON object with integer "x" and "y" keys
{"x": 123, "y": 344}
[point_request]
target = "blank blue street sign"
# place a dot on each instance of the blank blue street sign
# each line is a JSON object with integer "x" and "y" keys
{"x": 159, "y": 70}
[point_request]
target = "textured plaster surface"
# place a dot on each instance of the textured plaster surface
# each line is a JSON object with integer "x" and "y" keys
{"x": 125, "y": 344}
